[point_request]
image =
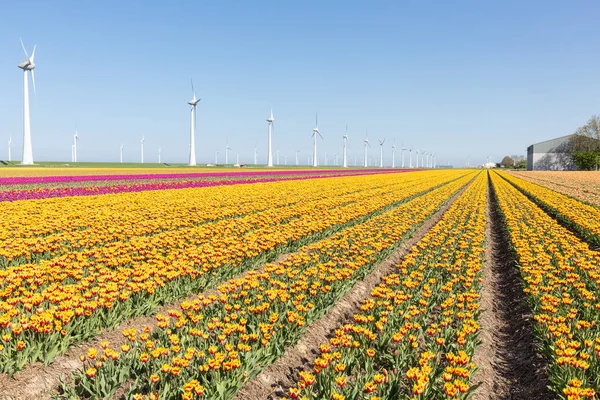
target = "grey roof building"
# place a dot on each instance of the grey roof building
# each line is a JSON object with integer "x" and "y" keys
{"x": 549, "y": 155}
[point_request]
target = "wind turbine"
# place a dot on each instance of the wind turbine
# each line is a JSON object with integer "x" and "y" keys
{"x": 270, "y": 120}
{"x": 285, "y": 159}
{"x": 423, "y": 159}
{"x": 381, "y": 153}
{"x": 345, "y": 155}
{"x": 9, "y": 147}
{"x": 335, "y": 162}
{"x": 297, "y": 157}
{"x": 278, "y": 157}
{"x": 75, "y": 139}
{"x": 417, "y": 157}
{"x": 255, "y": 156}
{"x": 403, "y": 149}
{"x": 159, "y": 150}
{"x": 121, "y": 153}
{"x": 227, "y": 148}
{"x": 193, "y": 102}
{"x": 316, "y": 132}
{"x": 366, "y": 142}
{"x": 27, "y": 66}
{"x": 394, "y": 154}
{"x": 142, "y": 147}
{"x": 237, "y": 160}
{"x": 217, "y": 157}
{"x": 326, "y": 159}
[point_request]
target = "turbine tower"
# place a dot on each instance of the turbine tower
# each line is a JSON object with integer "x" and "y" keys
{"x": 423, "y": 153}
{"x": 227, "y": 148}
{"x": 417, "y": 157}
{"x": 381, "y": 142}
{"x": 316, "y": 132}
{"x": 297, "y": 157}
{"x": 410, "y": 156}
{"x": 270, "y": 120}
{"x": 345, "y": 155}
{"x": 75, "y": 139}
{"x": 9, "y": 148}
{"x": 121, "y": 153}
{"x": 255, "y": 156}
{"x": 217, "y": 157}
{"x": 366, "y": 142}
{"x": 27, "y": 66}
{"x": 394, "y": 154}
{"x": 193, "y": 102}
{"x": 278, "y": 157}
{"x": 142, "y": 148}
{"x": 159, "y": 150}
{"x": 403, "y": 149}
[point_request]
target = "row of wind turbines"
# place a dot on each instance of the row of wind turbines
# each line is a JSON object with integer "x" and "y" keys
{"x": 428, "y": 159}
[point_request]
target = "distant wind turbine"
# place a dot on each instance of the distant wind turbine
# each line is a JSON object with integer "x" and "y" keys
{"x": 9, "y": 147}
{"x": 366, "y": 142}
{"x": 255, "y": 156}
{"x": 75, "y": 139}
{"x": 227, "y": 148}
{"x": 278, "y": 157}
{"x": 159, "y": 150}
{"x": 314, "y": 135}
{"x": 27, "y": 66}
{"x": 217, "y": 157}
{"x": 142, "y": 148}
{"x": 297, "y": 157}
{"x": 381, "y": 142}
{"x": 270, "y": 120}
{"x": 394, "y": 154}
{"x": 345, "y": 154}
{"x": 403, "y": 149}
{"x": 121, "y": 153}
{"x": 417, "y": 157}
{"x": 193, "y": 102}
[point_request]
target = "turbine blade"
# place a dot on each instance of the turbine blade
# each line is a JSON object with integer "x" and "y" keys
{"x": 25, "y": 51}
{"x": 192, "y": 82}
{"x": 33, "y": 54}
{"x": 33, "y": 80}
{"x": 317, "y": 119}
{"x": 320, "y": 134}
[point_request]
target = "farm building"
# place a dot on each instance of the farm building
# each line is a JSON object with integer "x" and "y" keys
{"x": 549, "y": 155}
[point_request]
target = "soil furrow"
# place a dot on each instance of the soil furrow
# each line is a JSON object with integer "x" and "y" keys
{"x": 274, "y": 381}
{"x": 510, "y": 367}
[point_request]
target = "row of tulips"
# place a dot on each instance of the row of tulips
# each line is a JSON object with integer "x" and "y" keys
{"x": 45, "y": 192}
{"x": 581, "y": 217}
{"x": 42, "y": 230}
{"x": 582, "y": 185}
{"x": 561, "y": 278}
{"x": 415, "y": 336}
{"x": 46, "y": 307}
{"x": 213, "y": 344}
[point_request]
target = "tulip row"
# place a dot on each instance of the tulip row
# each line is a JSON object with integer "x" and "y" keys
{"x": 50, "y": 305}
{"x": 561, "y": 278}
{"x": 582, "y": 185}
{"x": 414, "y": 337}
{"x": 46, "y": 191}
{"x": 212, "y": 345}
{"x": 581, "y": 217}
{"x": 34, "y": 230}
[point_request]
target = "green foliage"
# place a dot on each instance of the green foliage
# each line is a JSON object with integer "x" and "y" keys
{"x": 586, "y": 160}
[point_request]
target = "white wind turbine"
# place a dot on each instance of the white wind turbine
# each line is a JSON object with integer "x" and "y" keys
{"x": 121, "y": 153}
{"x": 423, "y": 153}
{"x": 366, "y": 142}
{"x": 255, "y": 156}
{"x": 326, "y": 159}
{"x": 417, "y": 157}
{"x": 159, "y": 151}
{"x": 217, "y": 157}
{"x": 278, "y": 157}
{"x": 316, "y": 132}
{"x": 142, "y": 148}
{"x": 237, "y": 159}
{"x": 345, "y": 155}
{"x": 74, "y": 148}
{"x": 193, "y": 102}
{"x": 381, "y": 142}
{"x": 9, "y": 147}
{"x": 403, "y": 149}
{"x": 270, "y": 120}
{"x": 227, "y": 148}
{"x": 27, "y": 66}
{"x": 394, "y": 154}
{"x": 297, "y": 157}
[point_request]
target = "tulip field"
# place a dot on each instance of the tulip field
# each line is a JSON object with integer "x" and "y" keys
{"x": 192, "y": 285}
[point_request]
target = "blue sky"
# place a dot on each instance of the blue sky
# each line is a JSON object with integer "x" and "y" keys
{"x": 462, "y": 78}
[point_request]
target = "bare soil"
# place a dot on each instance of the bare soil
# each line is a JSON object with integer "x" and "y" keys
{"x": 274, "y": 381}
{"x": 510, "y": 367}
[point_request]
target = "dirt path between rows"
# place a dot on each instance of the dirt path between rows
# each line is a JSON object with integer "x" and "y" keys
{"x": 274, "y": 381}
{"x": 509, "y": 365}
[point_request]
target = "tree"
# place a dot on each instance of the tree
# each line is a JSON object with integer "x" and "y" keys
{"x": 584, "y": 146}
{"x": 507, "y": 162}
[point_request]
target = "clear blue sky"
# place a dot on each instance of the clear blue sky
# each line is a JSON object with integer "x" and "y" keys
{"x": 462, "y": 78}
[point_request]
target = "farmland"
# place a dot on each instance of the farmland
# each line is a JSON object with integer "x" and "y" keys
{"x": 299, "y": 284}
